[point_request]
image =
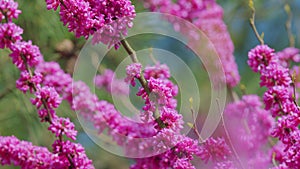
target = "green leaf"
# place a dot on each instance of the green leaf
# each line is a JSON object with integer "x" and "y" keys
{"x": 251, "y": 5}
{"x": 190, "y": 125}
{"x": 287, "y": 8}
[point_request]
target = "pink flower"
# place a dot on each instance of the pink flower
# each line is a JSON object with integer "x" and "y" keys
{"x": 63, "y": 126}
{"x": 52, "y": 4}
{"x": 59, "y": 80}
{"x": 260, "y": 57}
{"x": 9, "y": 10}
{"x": 109, "y": 82}
{"x": 111, "y": 34}
{"x": 284, "y": 127}
{"x": 172, "y": 119}
{"x": 43, "y": 114}
{"x": 46, "y": 95}
{"x": 25, "y": 82}
{"x": 106, "y": 19}
{"x": 78, "y": 16}
{"x": 288, "y": 54}
{"x": 179, "y": 156}
{"x": 255, "y": 121}
{"x": 24, "y": 53}
{"x": 292, "y": 153}
{"x": 206, "y": 15}
{"x": 278, "y": 99}
{"x": 274, "y": 75}
{"x": 225, "y": 165}
{"x": 118, "y": 17}
{"x": 9, "y": 34}
{"x": 157, "y": 71}
{"x": 67, "y": 149}
{"x": 215, "y": 149}
{"x": 26, "y": 155}
{"x": 46, "y": 68}
{"x": 133, "y": 71}
{"x": 112, "y": 10}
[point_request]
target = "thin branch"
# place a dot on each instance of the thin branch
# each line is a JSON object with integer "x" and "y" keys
{"x": 134, "y": 59}
{"x": 252, "y": 23}
{"x": 142, "y": 79}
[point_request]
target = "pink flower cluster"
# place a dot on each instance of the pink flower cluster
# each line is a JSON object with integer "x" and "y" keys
{"x": 177, "y": 150}
{"x": 280, "y": 98}
{"x": 110, "y": 83}
{"x": 207, "y": 15}
{"x": 106, "y": 19}
{"x": 9, "y": 10}
{"x": 12, "y": 31}
{"x": 287, "y": 55}
{"x": 125, "y": 132}
{"x": 129, "y": 134}
{"x": 161, "y": 97}
{"x": 27, "y": 82}
{"x": 26, "y": 57}
{"x": 133, "y": 71}
{"x": 215, "y": 149}
{"x": 179, "y": 156}
{"x": 250, "y": 139}
{"x": 26, "y": 155}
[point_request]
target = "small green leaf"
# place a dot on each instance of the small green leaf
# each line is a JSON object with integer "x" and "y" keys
{"x": 191, "y": 100}
{"x": 262, "y": 35}
{"x": 190, "y": 125}
{"x": 287, "y": 8}
{"x": 251, "y": 5}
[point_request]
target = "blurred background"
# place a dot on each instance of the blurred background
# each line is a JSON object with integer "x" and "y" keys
{"x": 18, "y": 117}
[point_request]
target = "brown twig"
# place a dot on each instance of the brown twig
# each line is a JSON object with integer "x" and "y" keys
{"x": 252, "y": 23}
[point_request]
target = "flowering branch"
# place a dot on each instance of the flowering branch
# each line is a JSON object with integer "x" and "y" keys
{"x": 279, "y": 98}
{"x": 26, "y": 57}
{"x": 161, "y": 92}
{"x": 134, "y": 59}
{"x": 252, "y": 23}
{"x": 206, "y": 15}
{"x": 142, "y": 80}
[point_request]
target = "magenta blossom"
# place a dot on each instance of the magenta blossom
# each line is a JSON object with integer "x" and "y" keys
{"x": 24, "y": 55}
{"x": 9, "y": 33}
{"x": 63, "y": 126}
{"x": 133, "y": 71}
{"x": 260, "y": 57}
{"x": 9, "y": 10}
{"x": 46, "y": 95}
{"x": 27, "y": 82}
